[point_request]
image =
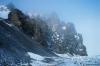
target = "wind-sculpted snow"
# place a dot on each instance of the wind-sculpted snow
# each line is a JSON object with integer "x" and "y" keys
{"x": 65, "y": 60}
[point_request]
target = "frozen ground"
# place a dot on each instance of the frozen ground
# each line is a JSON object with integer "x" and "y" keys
{"x": 64, "y": 60}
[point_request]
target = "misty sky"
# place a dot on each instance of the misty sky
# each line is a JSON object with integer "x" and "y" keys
{"x": 85, "y": 14}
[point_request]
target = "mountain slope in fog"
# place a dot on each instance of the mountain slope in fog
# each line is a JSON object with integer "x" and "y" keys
{"x": 65, "y": 38}
{"x": 20, "y": 34}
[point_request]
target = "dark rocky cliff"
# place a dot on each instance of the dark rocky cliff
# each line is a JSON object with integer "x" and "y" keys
{"x": 14, "y": 45}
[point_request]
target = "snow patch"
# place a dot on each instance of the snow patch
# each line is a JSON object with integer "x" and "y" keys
{"x": 80, "y": 49}
{"x": 10, "y": 25}
{"x": 35, "y": 56}
{"x": 76, "y": 36}
{"x": 64, "y": 27}
{"x": 66, "y": 55}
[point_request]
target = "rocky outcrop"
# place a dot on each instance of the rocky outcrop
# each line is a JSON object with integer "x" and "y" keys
{"x": 14, "y": 45}
{"x": 65, "y": 39}
{"x": 35, "y": 28}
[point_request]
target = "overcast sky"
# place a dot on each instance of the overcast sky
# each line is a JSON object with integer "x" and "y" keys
{"x": 85, "y": 14}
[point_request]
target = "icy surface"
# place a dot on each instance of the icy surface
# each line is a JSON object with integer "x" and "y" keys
{"x": 64, "y": 60}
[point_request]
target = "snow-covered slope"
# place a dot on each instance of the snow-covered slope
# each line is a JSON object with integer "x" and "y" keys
{"x": 64, "y": 60}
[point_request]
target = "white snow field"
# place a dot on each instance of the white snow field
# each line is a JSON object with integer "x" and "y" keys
{"x": 64, "y": 60}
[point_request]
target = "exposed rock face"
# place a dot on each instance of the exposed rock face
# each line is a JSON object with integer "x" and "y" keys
{"x": 14, "y": 45}
{"x": 15, "y": 16}
{"x": 34, "y": 28}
